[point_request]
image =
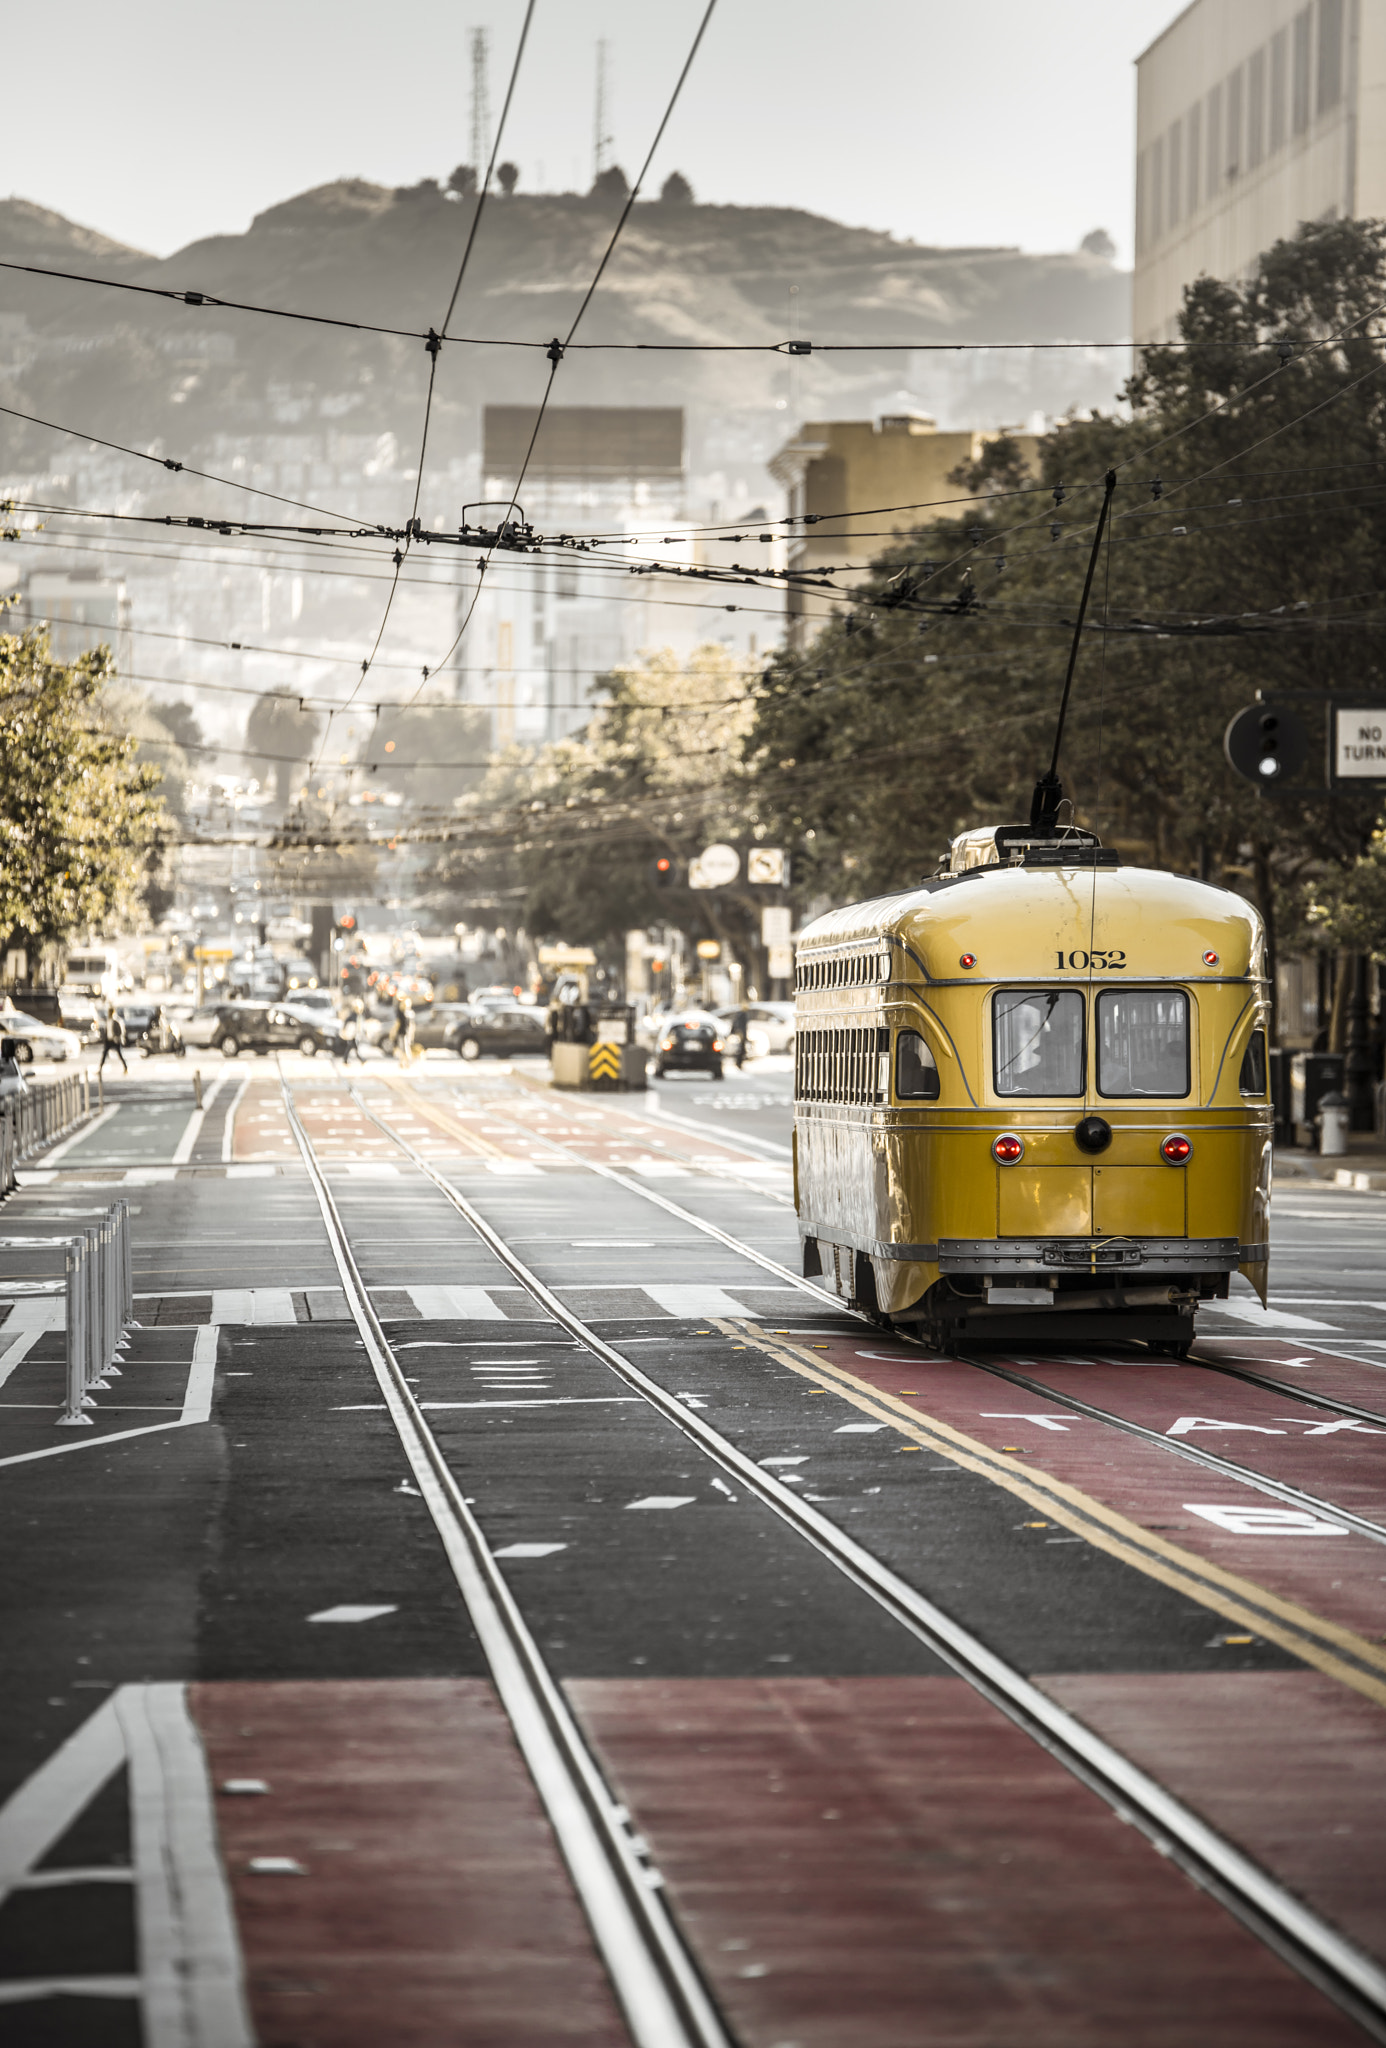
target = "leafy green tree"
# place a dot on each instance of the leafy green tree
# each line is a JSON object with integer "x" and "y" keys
{"x": 1242, "y": 554}
{"x": 80, "y": 819}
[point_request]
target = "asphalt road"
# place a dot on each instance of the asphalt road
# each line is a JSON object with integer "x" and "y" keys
{"x": 239, "y": 1556}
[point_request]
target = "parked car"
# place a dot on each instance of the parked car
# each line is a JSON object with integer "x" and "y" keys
{"x": 36, "y": 1040}
{"x": 434, "y": 1021}
{"x": 495, "y": 1028}
{"x": 314, "y": 1005}
{"x": 691, "y": 1042}
{"x": 269, "y": 1027}
{"x": 80, "y": 1014}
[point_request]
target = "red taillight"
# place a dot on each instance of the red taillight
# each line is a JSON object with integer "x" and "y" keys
{"x": 967, "y": 960}
{"x": 716, "y": 1045}
{"x": 1008, "y": 1148}
{"x": 1176, "y": 1149}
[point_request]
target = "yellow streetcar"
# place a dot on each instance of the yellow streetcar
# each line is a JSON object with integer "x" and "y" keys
{"x": 1031, "y": 1096}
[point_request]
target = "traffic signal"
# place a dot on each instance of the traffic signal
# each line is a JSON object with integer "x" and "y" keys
{"x": 1266, "y": 745}
{"x": 662, "y": 872}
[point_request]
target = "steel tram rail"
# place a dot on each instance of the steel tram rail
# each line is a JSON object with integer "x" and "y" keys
{"x": 1227, "y": 1468}
{"x": 654, "y": 1978}
{"x": 1345, "y": 1973}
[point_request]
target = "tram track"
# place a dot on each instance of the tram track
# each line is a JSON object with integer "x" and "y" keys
{"x": 1278, "y": 1917}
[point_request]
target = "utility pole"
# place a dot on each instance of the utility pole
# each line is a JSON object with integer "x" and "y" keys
{"x": 601, "y": 141}
{"x": 481, "y": 104}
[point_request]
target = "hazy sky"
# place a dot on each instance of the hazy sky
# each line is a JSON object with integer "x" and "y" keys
{"x": 158, "y": 121}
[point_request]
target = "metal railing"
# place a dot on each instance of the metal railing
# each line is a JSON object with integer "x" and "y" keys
{"x": 34, "y": 1119}
{"x": 99, "y": 1290}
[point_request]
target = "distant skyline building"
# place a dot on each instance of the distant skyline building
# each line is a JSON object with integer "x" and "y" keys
{"x": 82, "y": 609}
{"x": 864, "y": 480}
{"x": 1251, "y": 116}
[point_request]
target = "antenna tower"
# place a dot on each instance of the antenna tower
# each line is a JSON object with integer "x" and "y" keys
{"x": 601, "y": 140}
{"x": 481, "y": 103}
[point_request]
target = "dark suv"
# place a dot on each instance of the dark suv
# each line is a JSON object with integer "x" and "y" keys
{"x": 264, "y": 1027}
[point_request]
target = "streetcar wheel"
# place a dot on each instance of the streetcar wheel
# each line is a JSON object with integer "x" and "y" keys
{"x": 230, "y": 1047}
{"x": 1169, "y": 1348}
{"x": 307, "y": 1046}
{"x": 469, "y": 1049}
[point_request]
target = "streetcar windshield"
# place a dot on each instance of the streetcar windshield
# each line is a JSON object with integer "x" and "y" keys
{"x": 1037, "y": 1038}
{"x": 1143, "y": 1042}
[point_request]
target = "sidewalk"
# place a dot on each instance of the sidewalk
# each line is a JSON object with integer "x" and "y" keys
{"x": 1362, "y": 1167}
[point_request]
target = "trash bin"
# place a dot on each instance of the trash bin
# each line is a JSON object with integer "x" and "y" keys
{"x": 1312, "y": 1076}
{"x": 1334, "y": 1120}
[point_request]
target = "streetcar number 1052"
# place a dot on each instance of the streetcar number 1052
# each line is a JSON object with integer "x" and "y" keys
{"x": 1109, "y": 961}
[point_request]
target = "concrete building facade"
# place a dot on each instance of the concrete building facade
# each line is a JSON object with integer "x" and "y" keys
{"x": 1251, "y": 116}
{"x": 853, "y": 485}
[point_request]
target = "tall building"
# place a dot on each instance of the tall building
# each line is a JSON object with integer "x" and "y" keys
{"x": 852, "y": 484}
{"x": 1251, "y": 116}
{"x": 82, "y": 610}
{"x": 545, "y": 628}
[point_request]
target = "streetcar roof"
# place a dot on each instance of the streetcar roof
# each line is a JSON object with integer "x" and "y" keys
{"x": 1017, "y": 921}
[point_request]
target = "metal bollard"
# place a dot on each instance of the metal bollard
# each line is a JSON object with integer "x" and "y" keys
{"x": 78, "y": 1398}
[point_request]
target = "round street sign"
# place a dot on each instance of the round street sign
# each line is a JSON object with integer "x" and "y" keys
{"x": 720, "y": 865}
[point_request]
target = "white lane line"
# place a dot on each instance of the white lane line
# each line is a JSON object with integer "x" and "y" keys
{"x": 529, "y": 1550}
{"x": 456, "y": 1304}
{"x": 25, "y": 1324}
{"x": 661, "y": 1500}
{"x": 24, "y": 1990}
{"x": 557, "y": 1401}
{"x": 182, "y": 1151}
{"x": 44, "y": 1807}
{"x": 247, "y": 1305}
{"x": 251, "y": 1172}
{"x": 197, "y": 1406}
{"x": 190, "y": 1963}
{"x": 693, "y": 1301}
{"x": 1264, "y": 1318}
{"x": 349, "y": 1612}
{"x": 229, "y": 1127}
{"x": 79, "y": 1137}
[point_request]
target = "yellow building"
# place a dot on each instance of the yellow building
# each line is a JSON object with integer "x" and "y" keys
{"x": 1251, "y": 116}
{"x": 857, "y": 485}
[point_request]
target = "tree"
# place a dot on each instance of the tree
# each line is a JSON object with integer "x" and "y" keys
{"x": 507, "y": 177}
{"x": 463, "y": 182}
{"x": 1098, "y": 243}
{"x": 280, "y": 738}
{"x": 570, "y": 834}
{"x": 79, "y": 815}
{"x": 676, "y": 190}
{"x": 1242, "y": 554}
{"x": 611, "y": 184}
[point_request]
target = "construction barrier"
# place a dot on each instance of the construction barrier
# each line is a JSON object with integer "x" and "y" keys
{"x": 99, "y": 1302}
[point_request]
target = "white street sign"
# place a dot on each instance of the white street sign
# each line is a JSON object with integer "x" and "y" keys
{"x": 775, "y": 923}
{"x": 781, "y": 962}
{"x": 718, "y": 865}
{"x": 1359, "y": 744}
{"x": 767, "y": 864}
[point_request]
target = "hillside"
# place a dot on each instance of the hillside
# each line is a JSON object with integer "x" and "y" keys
{"x": 139, "y": 368}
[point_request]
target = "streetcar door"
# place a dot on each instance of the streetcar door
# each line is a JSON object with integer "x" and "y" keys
{"x": 1142, "y": 1047}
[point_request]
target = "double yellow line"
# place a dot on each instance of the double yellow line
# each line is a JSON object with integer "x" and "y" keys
{"x": 1340, "y": 1652}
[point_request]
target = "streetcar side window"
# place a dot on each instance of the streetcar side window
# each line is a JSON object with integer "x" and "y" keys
{"x": 916, "y": 1074}
{"x": 1037, "y": 1041}
{"x": 1142, "y": 1042}
{"x": 1252, "y": 1078}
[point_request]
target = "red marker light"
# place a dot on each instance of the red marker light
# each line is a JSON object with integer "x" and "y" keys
{"x": 1008, "y": 1148}
{"x": 1176, "y": 1149}
{"x": 967, "y": 960}
{"x": 1210, "y": 959}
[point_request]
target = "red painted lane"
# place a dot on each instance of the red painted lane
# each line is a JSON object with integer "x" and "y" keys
{"x": 433, "y": 1911}
{"x": 1302, "y": 1366}
{"x": 1220, "y": 1741}
{"x": 882, "y": 1862}
{"x": 261, "y": 1127}
{"x": 1339, "y": 1576}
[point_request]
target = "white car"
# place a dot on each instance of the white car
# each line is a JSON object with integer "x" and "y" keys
{"x": 37, "y": 1040}
{"x": 314, "y": 1005}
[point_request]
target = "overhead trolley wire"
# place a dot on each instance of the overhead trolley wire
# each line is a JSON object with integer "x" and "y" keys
{"x": 558, "y": 349}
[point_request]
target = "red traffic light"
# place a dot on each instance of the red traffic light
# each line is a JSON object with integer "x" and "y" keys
{"x": 1176, "y": 1149}
{"x": 1008, "y": 1148}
